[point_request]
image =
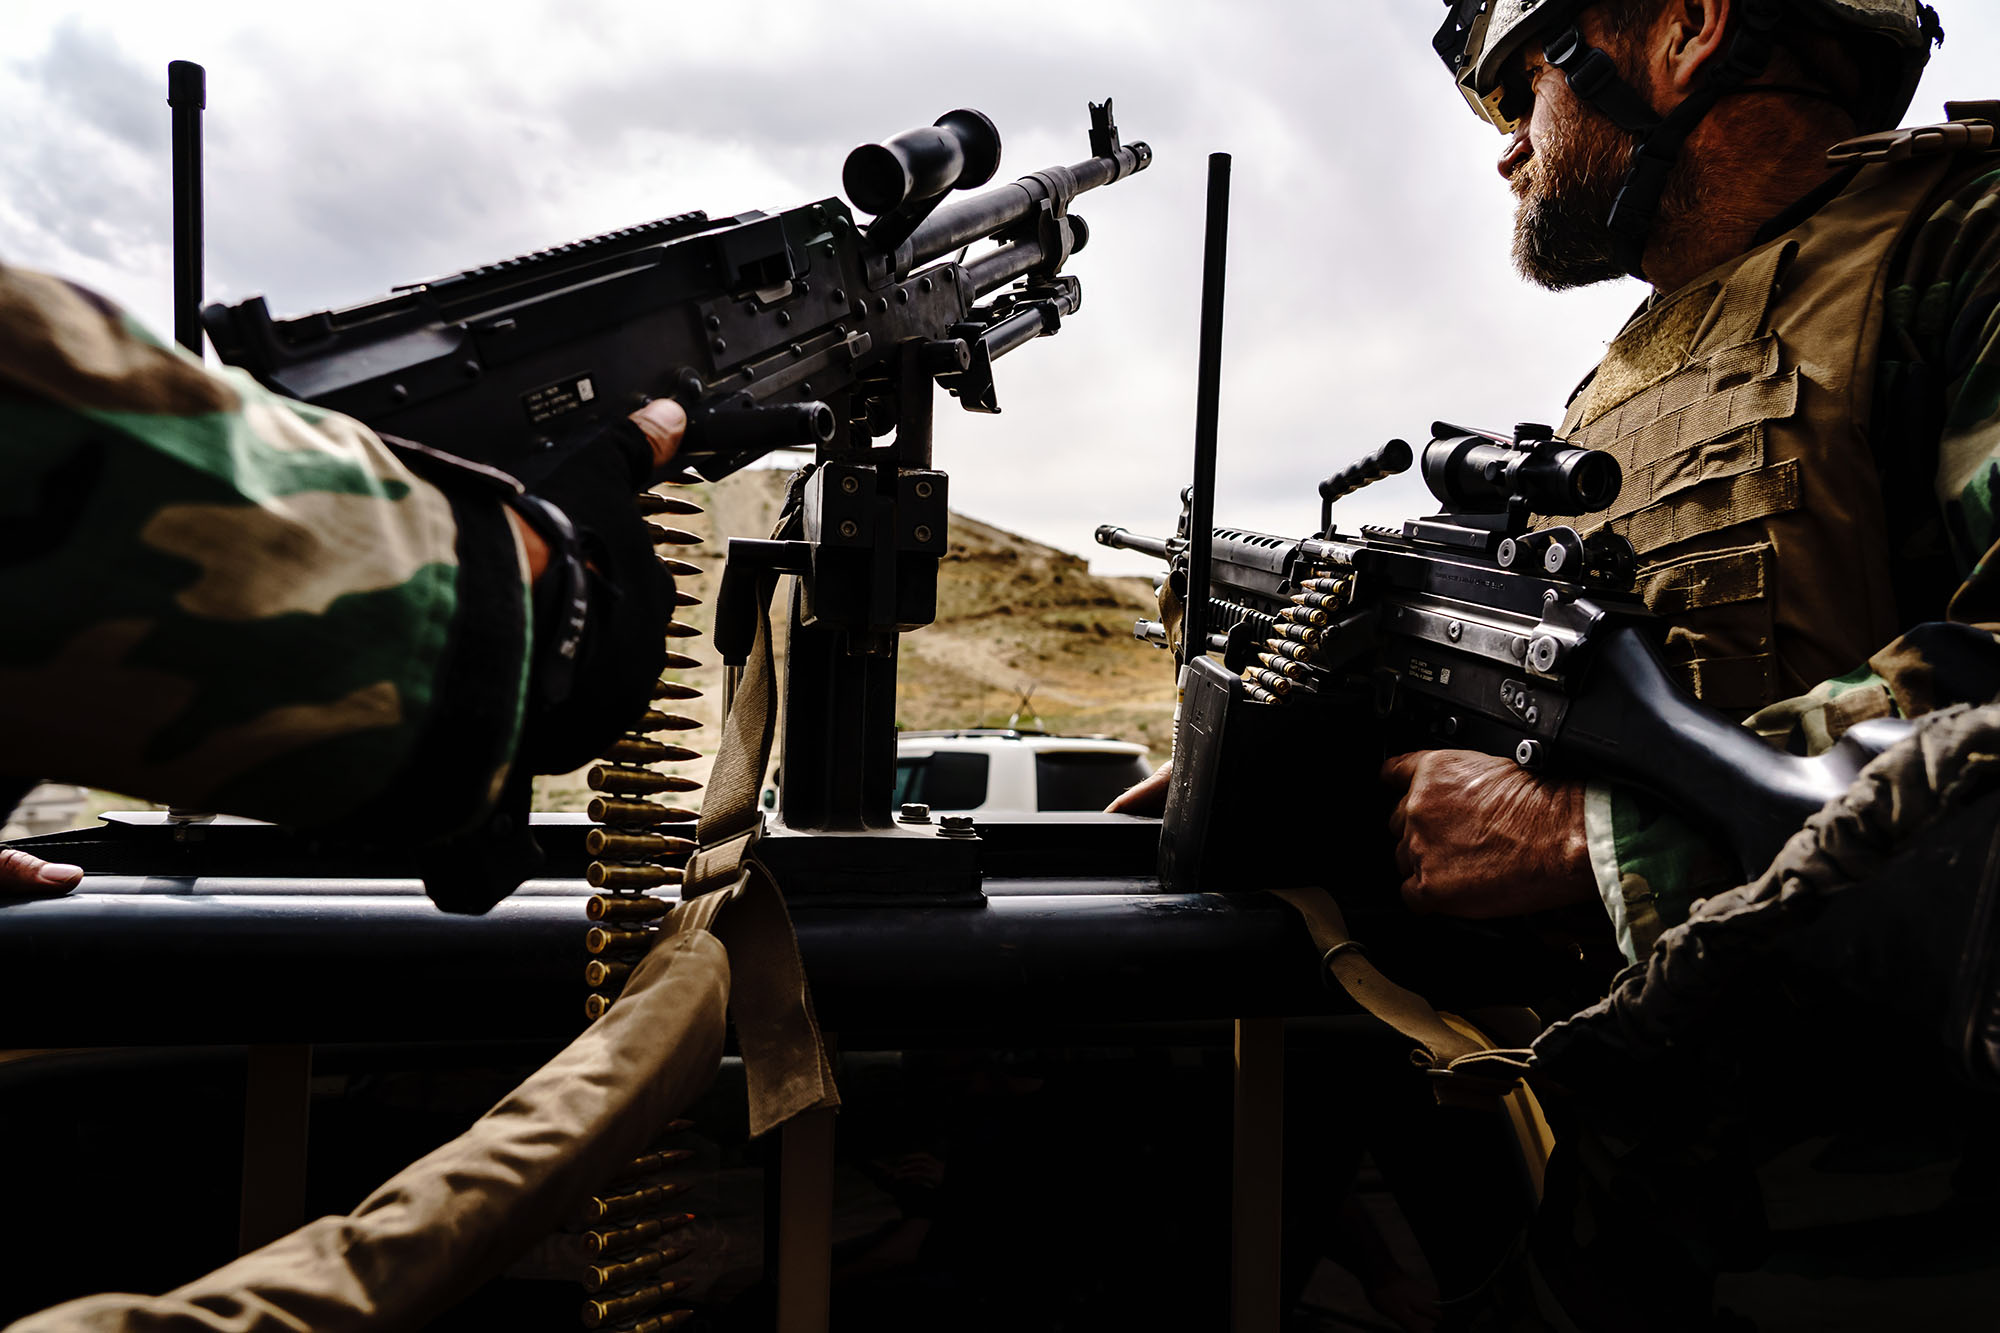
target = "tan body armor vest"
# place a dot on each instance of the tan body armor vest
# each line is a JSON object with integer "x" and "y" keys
{"x": 1739, "y": 408}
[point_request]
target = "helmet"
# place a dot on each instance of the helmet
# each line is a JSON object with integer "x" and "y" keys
{"x": 1480, "y": 38}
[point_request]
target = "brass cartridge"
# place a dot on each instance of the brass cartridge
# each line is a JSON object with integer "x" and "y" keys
{"x": 610, "y": 939}
{"x": 599, "y": 1277}
{"x": 601, "y": 908}
{"x": 638, "y": 781}
{"x": 610, "y": 1207}
{"x": 654, "y": 720}
{"x": 634, "y": 750}
{"x": 636, "y": 814}
{"x": 598, "y": 1313}
{"x": 611, "y": 846}
{"x": 616, "y": 1240}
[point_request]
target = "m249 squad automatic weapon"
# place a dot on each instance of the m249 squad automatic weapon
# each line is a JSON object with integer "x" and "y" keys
{"x": 1470, "y": 629}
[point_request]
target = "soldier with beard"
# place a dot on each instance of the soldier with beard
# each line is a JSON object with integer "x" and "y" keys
{"x": 1778, "y": 1121}
{"x": 1804, "y": 407}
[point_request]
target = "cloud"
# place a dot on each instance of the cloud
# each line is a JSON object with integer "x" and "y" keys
{"x": 1369, "y": 287}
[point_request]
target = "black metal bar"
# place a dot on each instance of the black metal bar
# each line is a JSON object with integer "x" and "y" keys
{"x": 957, "y": 225}
{"x": 1208, "y": 405}
{"x": 187, "y": 94}
{"x": 237, "y": 967}
{"x": 991, "y": 272}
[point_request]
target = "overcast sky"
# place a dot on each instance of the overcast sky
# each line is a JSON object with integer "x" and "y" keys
{"x": 358, "y": 145}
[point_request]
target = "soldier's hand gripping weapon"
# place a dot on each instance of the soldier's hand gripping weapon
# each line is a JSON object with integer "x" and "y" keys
{"x": 1470, "y": 629}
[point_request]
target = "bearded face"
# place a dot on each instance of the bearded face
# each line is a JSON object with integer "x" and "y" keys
{"x": 1565, "y": 193}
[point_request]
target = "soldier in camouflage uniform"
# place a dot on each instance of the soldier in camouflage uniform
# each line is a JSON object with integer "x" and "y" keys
{"x": 222, "y": 599}
{"x": 1770, "y": 1123}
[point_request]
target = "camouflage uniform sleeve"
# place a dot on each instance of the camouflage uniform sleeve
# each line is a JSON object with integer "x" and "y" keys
{"x": 1942, "y": 347}
{"x": 222, "y": 599}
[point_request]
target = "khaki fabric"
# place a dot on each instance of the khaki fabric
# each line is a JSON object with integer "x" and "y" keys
{"x": 453, "y": 1219}
{"x": 784, "y": 1054}
{"x": 1739, "y": 408}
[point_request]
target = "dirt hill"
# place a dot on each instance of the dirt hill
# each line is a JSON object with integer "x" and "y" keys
{"x": 1014, "y": 617}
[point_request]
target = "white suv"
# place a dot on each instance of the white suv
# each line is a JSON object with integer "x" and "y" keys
{"x": 1013, "y": 772}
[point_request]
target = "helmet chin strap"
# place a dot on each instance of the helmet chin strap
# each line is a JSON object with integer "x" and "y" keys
{"x": 1595, "y": 79}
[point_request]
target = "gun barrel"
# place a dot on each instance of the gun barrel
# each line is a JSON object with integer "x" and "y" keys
{"x": 957, "y": 225}
{"x": 1123, "y": 539}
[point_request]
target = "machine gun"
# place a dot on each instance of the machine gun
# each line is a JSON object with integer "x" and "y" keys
{"x": 1470, "y": 629}
{"x": 773, "y": 330}
{"x": 794, "y": 329}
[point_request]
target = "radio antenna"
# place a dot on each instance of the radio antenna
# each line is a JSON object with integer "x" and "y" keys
{"x": 1207, "y": 408}
{"x": 187, "y": 94}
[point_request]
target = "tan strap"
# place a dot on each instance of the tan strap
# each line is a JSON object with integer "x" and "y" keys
{"x": 1404, "y": 1010}
{"x": 727, "y": 890}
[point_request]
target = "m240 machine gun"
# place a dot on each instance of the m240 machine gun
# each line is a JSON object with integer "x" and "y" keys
{"x": 800, "y": 328}
{"x": 1471, "y": 629}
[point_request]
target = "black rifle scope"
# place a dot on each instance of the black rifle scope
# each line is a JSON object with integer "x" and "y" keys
{"x": 960, "y": 152}
{"x": 1475, "y": 471}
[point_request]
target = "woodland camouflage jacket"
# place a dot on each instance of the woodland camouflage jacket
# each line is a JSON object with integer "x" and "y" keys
{"x": 219, "y": 598}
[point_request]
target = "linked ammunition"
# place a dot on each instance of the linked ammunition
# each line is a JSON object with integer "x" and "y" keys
{"x": 653, "y": 720}
{"x": 677, "y": 1127}
{"x": 685, "y": 598}
{"x": 1333, "y": 587}
{"x": 600, "y": 1276}
{"x": 652, "y": 503}
{"x": 628, "y": 878}
{"x": 681, "y": 662}
{"x": 1303, "y": 634}
{"x": 617, "y": 1240}
{"x": 1319, "y": 601}
{"x": 633, "y": 750}
{"x": 616, "y": 910}
{"x": 1283, "y": 666}
{"x": 673, "y": 689}
{"x": 664, "y": 536}
{"x": 609, "y": 1207}
{"x": 1269, "y": 680}
{"x": 634, "y": 846}
{"x": 636, "y": 814}
{"x": 598, "y": 1313}
{"x": 598, "y": 974}
{"x": 680, "y": 629}
{"x": 596, "y": 1006}
{"x": 1304, "y": 615}
{"x": 679, "y": 568}
{"x": 636, "y": 781}
{"x": 1258, "y": 694}
{"x": 610, "y": 939}
{"x": 658, "y": 1160}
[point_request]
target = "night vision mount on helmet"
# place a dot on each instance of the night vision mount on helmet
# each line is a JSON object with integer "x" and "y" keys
{"x": 1480, "y": 38}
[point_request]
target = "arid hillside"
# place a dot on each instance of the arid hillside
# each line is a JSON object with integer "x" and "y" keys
{"x": 1015, "y": 618}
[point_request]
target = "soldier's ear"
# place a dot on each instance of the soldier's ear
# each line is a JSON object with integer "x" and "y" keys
{"x": 1682, "y": 47}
